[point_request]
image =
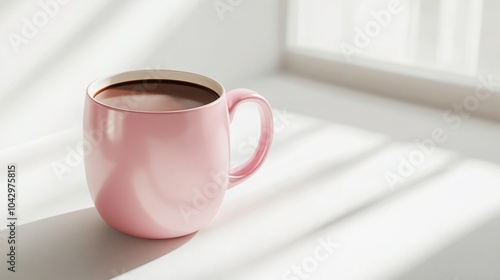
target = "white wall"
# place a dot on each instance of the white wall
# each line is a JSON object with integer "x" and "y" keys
{"x": 43, "y": 82}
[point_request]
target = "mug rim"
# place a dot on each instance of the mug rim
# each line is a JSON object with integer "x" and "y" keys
{"x": 157, "y": 74}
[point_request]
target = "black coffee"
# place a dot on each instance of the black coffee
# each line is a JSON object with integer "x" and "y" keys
{"x": 156, "y": 95}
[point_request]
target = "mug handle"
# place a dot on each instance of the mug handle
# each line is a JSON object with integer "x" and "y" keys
{"x": 235, "y": 98}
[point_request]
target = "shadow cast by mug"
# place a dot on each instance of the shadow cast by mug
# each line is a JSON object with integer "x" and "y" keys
{"x": 79, "y": 245}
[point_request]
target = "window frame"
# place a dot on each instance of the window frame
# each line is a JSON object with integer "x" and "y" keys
{"x": 428, "y": 87}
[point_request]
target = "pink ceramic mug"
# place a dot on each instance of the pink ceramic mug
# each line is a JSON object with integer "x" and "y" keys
{"x": 164, "y": 174}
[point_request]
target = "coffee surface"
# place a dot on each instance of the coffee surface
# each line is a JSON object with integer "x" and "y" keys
{"x": 156, "y": 95}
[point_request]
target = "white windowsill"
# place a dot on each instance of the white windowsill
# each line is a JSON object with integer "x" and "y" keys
{"x": 431, "y": 88}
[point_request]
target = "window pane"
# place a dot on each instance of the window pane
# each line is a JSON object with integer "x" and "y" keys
{"x": 456, "y": 36}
